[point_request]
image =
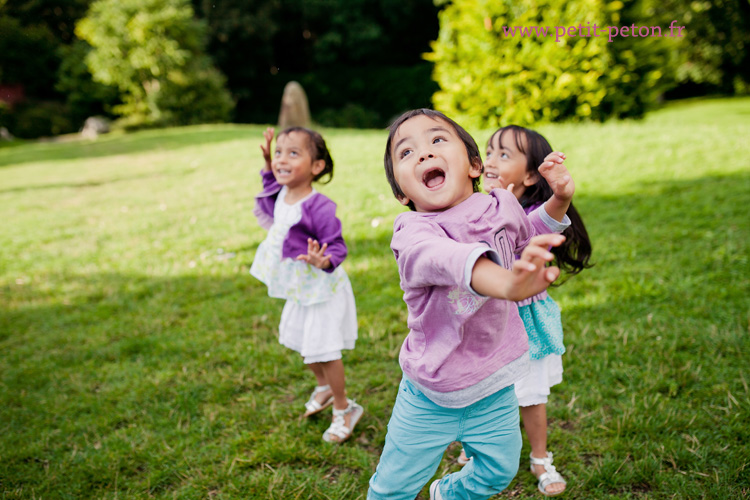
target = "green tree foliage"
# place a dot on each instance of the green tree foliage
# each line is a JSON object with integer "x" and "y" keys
{"x": 358, "y": 60}
{"x": 488, "y": 77}
{"x": 58, "y": 16}
{"x": 84, "y": 96}
{"x": 714, "y": 54}
{"x": 152, "y": 51}
{"x": 26, "y": 56}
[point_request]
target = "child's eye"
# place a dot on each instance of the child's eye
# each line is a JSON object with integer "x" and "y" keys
{"x": 292, "y": 153}
{"x": 438, "y": 139}
{"x": 277, "y": 153}
{"x": 404, "y": 153}
{"x": 504, "y": 155}
{"x": 488, "y": 155}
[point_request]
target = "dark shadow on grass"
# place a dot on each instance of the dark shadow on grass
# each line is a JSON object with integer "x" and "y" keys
{"x": 135, "y": 142}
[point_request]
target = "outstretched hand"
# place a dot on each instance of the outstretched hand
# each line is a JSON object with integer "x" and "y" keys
{"x": 268, "y": 135}
{"x": 315, "y": 255}
{"x": 554, "y": 171}
{"x": 529, "y": 274}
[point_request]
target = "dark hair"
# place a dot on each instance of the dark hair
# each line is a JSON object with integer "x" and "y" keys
{"x": 573, "y": 255}
{"x": 471, "y": 147}
{"x": 318, "y": 150}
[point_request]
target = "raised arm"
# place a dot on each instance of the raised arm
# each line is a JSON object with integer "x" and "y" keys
{"x": 528, "y": 277}
{"x": 559, "y": 179}
{"x": 268, "y": 135}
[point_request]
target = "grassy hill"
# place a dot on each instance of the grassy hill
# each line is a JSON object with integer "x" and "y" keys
{"x": 139, "y": 359}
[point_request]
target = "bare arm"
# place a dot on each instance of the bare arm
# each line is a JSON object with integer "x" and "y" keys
{"x": 268, "y": 135}
{"x": 528, "y": 277}
{"x": 554, "y": 171}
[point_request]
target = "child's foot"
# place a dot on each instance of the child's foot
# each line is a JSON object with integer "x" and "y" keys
{"x": 551, "y": 483}
{"x": 320, "y": 399}
{"x": 343, "y": 423}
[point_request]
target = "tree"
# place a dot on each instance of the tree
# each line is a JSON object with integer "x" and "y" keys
{"x": 152, "y": 51}
{"x": 714, "y": 54}
{"x": 351, "y": 56}
{"x": 490, "y": 75}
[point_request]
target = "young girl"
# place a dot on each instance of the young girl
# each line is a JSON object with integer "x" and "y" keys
{"x": 300, "y": 261}
{"x": 514, "y": 156}
{"x": 455, "y": 254}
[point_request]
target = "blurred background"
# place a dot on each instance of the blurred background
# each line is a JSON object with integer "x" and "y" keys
{"x": 147, "y": 63}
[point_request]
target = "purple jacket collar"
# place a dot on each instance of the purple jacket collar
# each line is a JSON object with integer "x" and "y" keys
{"x": 318, "y": 222}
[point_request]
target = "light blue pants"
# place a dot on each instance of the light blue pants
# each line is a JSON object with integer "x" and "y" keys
{"x": 419, "y": 432}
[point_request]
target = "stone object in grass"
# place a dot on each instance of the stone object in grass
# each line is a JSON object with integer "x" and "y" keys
{"x": 93, "y": 126}
{"x": 5, "y": 135}
{"x": 295, "y": 111}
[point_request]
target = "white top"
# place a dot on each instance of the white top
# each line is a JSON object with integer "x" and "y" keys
{"x": 291, "y": 279}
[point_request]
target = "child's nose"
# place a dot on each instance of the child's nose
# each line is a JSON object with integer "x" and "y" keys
{"x": 424, "y": 156}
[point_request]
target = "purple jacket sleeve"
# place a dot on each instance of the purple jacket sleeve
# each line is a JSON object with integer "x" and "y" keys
{"x": 328, "y": 227}
{"x": 266, "y": 200}
{"x": 318, "y": 222}
{"x": 427, "y": 257}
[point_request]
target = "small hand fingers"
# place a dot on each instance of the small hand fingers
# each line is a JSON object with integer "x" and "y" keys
{"x": 534, "y": 252}
{"x": 547, "y": 240}
{"x": 551, "y": 274}
{"x": 521, "y": 265}
{"x": 510, "y": 187}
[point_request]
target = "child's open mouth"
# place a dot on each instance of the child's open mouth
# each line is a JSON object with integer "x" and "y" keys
{"x": 433, "y": 178}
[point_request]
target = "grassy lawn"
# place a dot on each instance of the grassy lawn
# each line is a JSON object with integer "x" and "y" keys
{"x": 139, "y": 359}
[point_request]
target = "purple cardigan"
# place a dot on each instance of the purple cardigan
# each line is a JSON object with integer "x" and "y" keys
{"x": 318, "y": 222}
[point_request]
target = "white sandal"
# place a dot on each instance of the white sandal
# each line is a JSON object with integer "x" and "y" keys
{"x": 338, "y": 427}
{"x": 313, "y": 406}
{"x": 549, "y": 476}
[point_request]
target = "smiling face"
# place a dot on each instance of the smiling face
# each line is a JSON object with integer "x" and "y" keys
{"x": 431, "y": 164}
{"x": 505, "y": 164}
{"x": 292, "y": 164}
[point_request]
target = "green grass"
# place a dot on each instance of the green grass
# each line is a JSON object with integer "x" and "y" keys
{"x": 138, "y": 358}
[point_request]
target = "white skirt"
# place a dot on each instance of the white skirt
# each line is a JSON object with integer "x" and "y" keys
{"x": 319, "y": 332}
{"x": 534, "y": 388}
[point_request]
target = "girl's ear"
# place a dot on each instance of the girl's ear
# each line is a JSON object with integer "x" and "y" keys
{"x": 531, "y": 179}
{"x": 403, "y": 200}
{"x": 476, "y": 168}
{"x": 318, "y": 166}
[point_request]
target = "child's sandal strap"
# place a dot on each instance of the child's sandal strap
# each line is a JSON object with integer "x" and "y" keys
{"x": 338, "y": 427}
{"x": 549, "y": 476}
{"x": 312, "y": 406}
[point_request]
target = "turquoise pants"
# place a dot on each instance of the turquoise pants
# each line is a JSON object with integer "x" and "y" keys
{"x": 419, "y": 432}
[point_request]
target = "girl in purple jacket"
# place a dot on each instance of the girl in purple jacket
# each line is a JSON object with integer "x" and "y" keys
{"x": 300, "y": 261}
{"x": 455, "y": 255}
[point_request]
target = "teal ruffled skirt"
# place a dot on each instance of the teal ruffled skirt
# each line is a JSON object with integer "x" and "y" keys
{"x": 544, "y": 327}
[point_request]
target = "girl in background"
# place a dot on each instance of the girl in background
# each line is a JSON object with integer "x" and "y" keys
{"x": 514, "y": 156}
{"x": 300, "y": 261}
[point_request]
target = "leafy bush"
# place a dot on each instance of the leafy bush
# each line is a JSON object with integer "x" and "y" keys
{"x": 84, "y": 96}
{"x": 33, "y": 119}
{"x": 152, "y": 51}
{"x": 27, "y": 57}
{"x": 489, "y": 78}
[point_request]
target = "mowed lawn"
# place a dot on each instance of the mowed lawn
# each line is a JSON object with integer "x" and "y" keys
{"x": 139, "y": 359}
